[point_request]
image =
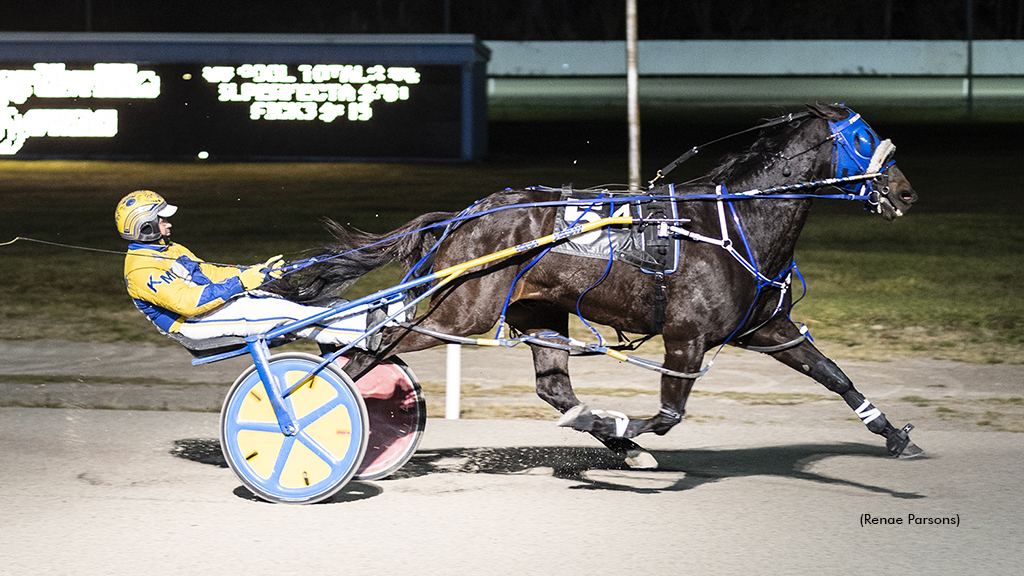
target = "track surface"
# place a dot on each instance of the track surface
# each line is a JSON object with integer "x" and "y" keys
{"x": 743, "y": 487}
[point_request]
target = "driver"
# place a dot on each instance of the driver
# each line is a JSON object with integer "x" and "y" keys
{"x": 184, "y": 295}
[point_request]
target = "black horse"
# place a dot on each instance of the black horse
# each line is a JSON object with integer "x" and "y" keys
{"x": 713, "y": 298}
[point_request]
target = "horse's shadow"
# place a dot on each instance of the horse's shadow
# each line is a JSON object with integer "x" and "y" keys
{"x": 697, "y": 467}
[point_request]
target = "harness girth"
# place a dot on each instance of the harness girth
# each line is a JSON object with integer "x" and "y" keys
{"x": 659, "y": 304}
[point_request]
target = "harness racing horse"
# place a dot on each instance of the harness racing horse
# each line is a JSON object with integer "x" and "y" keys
{"x": 731, "y": 285}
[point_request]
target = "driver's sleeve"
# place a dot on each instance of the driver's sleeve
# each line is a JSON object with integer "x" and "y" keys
{"x": 178, "y": 284}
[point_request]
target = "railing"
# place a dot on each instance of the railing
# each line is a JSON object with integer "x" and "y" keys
{"x": 898, "y": 79}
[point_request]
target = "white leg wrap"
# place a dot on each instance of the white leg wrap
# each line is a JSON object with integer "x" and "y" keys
{"x": 867, "y": 412}
{"x": 621, "y": 420}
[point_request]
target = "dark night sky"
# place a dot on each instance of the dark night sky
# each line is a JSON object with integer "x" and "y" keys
{"x": 533, "y": 19}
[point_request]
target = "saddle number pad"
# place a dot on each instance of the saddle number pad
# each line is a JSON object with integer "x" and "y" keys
{"x": 636, "y": 245}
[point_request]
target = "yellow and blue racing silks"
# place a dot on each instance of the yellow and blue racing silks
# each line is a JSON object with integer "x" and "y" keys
{"x": 169, "y": 284}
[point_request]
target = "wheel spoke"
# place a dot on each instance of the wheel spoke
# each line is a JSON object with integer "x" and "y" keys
{"x": 319, "y": 450}
{"x": 282, "y": 458}
{"x": 320, "y": 412}
{"x": 258, "y": 426}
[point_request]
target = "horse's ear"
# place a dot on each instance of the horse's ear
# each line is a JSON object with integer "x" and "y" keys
{"x": 831, "y": 112}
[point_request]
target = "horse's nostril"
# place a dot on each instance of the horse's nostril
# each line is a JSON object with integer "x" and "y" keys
{"x": 908, "y": 196}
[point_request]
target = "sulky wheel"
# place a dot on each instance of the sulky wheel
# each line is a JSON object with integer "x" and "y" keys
{"x": 397, "y": 413}
{"x": 321, "y": 457}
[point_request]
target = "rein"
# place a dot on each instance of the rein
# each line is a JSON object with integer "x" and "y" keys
{"x": 783, "y": 192}
{"x": 59, "y": 245}
{"x": 103, "y": 251}
{"x": 693, "y": 151}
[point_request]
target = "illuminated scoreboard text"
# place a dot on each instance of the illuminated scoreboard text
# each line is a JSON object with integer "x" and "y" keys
{"x": 322, "y": 92}
{"x": 249, "y": 110}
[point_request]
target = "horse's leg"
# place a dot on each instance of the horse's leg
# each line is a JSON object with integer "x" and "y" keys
{"x": 554, "y": 387}
{"x": 680, "y": 357}
{"x": 807, "y": 359}
{"x": 552, "y": 370}
{"x": 551, "y": 366}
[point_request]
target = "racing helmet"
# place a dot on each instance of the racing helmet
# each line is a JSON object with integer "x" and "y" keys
{"x": 138, "y": 215}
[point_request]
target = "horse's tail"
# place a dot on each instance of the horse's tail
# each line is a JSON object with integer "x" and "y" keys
{"x": 355, "y": 253}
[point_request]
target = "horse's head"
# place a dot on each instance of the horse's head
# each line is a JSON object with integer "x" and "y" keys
{"x": 858, "y": 151}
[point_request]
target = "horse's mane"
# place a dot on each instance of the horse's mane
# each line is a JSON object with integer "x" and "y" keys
{"x": 771, "y": 141}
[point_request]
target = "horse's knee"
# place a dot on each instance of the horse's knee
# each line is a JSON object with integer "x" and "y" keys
{"x": 826, "y": 373}
{"x": 554, "y": 387}
{"x": 560, "y": 397}
{"x": 552, "y": 371}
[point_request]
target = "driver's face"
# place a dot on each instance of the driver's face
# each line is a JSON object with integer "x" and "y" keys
{"x": 165, "y": 227}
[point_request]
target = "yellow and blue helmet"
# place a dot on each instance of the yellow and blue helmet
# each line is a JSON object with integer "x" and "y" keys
{"x": 138, "y": 215}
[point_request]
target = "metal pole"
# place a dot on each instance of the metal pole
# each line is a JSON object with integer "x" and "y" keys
{"x": 633, "y": 99}
{"x": 969, "y": 81}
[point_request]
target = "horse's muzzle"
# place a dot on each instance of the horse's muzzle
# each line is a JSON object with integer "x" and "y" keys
{"x": 895, "y": 195}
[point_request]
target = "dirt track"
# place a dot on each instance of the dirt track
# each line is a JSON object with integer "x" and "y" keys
{"x": 758, "y": 480}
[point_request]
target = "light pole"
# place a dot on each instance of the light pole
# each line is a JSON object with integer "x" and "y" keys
{"x": 633, "y": 99}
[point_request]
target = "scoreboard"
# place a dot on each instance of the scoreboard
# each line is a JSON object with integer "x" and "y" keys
{"x": 202, "y": 104}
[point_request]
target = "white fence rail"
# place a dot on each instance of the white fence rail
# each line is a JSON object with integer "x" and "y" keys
{"x": 897, "y": 80}
{"x": 759, "y": 58}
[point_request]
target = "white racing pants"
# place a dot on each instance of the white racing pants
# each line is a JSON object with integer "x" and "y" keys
{"x": 249, "y": 315}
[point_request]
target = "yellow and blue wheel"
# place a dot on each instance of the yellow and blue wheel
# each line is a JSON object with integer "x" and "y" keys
{"x": 318, "y": 460}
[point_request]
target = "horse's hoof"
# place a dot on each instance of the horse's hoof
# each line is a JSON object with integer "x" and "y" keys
{"x": 911, "y": 451}
{"x": 640, "y": 460}
{"x": 898, "y": 443}
{"x": 568, "y": 420}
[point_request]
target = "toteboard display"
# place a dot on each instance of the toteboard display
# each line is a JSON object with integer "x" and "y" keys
{"x": 242, "y": 110}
